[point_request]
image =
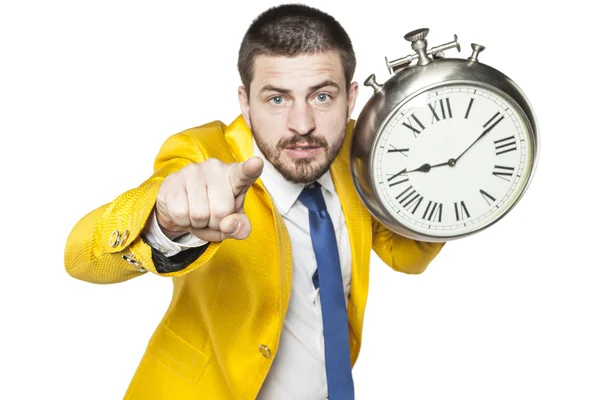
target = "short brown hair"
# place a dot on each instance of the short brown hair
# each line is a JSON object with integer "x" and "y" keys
{"x": 290, "y": 30}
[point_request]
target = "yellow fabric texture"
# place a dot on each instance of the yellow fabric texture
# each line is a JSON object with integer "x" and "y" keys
{"x": 232, "y": 300}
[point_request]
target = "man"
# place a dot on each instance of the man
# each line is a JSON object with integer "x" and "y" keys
{"x": 259, "y": 226}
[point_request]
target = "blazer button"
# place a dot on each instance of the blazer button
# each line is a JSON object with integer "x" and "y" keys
{"x": 115, "y": 238}
{"x": 130, "y": 258}
{"x": 264, "y": 350}
{"x": 124, "y": 237}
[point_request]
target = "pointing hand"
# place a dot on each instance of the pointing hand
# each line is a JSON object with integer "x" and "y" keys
{"x": 207, "y": 199}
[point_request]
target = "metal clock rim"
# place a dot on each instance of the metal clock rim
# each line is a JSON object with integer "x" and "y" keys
{"x": 529, "y": 121}
{"x": 531, "y": 125}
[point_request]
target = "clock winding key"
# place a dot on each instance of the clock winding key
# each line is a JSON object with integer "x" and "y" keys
{"x": 418, "y": 39}
{"x": 419, "y": 44}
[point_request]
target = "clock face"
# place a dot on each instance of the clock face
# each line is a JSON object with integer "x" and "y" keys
{"x": 452, "y": 160}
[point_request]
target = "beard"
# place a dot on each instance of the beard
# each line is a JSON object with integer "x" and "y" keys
{"x": 301, "y": 170}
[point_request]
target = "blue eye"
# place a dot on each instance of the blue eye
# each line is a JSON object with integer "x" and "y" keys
{"x": 321, "y": 97}
{"x": 277, "y": 100}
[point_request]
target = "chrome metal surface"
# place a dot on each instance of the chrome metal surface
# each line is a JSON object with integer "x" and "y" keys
{"x": 130, "y": 258}
{"x": 402, "y": 87}
{"x": 114, "y": 239}
{"x": 124, "y": 237}
{"x": 373, "y": 83}
{"x": 419, "y": 44}
{"x": 446, "y": 46}
{"x": 399, "y": 63}
{"x": 477, "y": 48}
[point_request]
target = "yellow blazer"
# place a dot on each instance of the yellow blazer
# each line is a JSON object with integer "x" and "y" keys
{"x": 220, "y": 334}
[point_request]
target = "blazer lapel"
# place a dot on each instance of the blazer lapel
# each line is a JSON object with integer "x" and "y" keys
{"x": 239, "y": 138}
{"x": 358, "y": 223}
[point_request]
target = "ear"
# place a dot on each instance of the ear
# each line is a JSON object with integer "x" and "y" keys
{"x": 352, "y": 95}
{"x": 244, "y": 104}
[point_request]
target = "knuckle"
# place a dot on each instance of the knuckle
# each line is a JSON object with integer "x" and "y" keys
{"x": 171, "y": 185}
{"x": 207, "y": 169}
{"x": 167, "y": 182}
{"x": 191, "y": 171}
{"x": 221, "y": 211}
{"x": 178, "y": 214}
{"x": 199, "y": 219}
{"x": 211, "y": 163}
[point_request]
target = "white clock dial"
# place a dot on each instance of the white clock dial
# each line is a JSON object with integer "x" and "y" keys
{"x": 452, "y": 160}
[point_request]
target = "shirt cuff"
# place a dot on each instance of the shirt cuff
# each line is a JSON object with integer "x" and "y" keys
{"x": 156, "y": 238}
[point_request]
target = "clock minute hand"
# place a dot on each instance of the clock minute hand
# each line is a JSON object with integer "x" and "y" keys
{"x": 485, "y": 132}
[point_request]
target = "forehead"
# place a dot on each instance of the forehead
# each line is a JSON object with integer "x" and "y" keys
{"x": 297, "y": 72}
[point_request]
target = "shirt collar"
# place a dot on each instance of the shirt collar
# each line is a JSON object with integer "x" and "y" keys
{"x": 284, "y": 192}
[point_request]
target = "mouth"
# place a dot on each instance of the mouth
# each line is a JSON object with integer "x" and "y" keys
{"x": 302, "y": 147}
{"x": 302, "y": 151}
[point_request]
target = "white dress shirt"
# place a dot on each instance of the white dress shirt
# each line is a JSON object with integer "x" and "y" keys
{"x": 298, "y": 370}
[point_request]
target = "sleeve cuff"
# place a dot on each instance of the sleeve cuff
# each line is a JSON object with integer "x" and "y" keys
{"x": 156, "y": 238}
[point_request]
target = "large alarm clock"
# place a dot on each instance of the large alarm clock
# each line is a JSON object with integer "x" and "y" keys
{"x": 446, "y": 147}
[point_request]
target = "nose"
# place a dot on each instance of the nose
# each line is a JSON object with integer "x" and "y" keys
{"x": 301, "y": 119}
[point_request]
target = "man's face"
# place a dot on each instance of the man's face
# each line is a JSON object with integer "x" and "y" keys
{"x": 298, "y": 111}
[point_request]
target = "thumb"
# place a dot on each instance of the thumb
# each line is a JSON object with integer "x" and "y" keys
{"x": 242, "y": 175}
{"x": 236, "y": 226}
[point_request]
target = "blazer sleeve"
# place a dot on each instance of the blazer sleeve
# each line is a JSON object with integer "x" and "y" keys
{"x": 106, "y": 245}
{"x": 401, "y": 253}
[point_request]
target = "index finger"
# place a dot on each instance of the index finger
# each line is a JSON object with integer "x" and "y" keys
{"x": 242, "y": 175}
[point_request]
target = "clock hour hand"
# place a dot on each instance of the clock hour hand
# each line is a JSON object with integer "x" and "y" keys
{"x": 422, "y": 168}
{"x": 450, "y": 162}
{"x": 427, "y": 167}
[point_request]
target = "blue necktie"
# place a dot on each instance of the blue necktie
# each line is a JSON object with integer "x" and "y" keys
{"x": 333, "y": 304}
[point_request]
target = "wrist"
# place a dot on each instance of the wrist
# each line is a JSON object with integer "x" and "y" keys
{"x": 172, "y": 235}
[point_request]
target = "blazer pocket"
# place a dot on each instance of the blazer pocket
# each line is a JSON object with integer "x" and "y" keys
{"x": 177, "y": 355}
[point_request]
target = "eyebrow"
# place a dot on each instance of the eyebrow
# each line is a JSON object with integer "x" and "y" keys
{"x": 271, "y": 88}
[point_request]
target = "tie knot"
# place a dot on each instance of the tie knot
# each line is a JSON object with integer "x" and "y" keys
{"x": 312, "y": 198}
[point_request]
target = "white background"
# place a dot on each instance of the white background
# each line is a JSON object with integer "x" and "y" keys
{"x": 90, "y": 90}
